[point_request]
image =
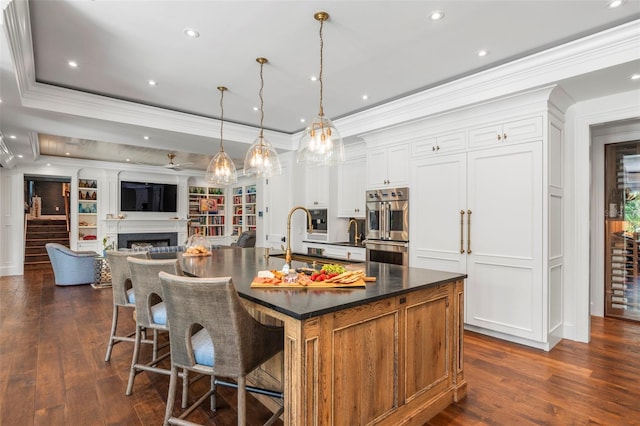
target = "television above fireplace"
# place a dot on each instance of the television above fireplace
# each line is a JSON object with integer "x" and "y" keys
{"x": 148, "y": 197}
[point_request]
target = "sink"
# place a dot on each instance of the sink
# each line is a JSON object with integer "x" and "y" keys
{"x": 309, "y": 258}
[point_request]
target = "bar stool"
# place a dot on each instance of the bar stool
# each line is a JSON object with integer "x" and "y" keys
{"x": 122, "y": 296}
{"x": 213, "y": 333}
{"x": 151, "y": 314}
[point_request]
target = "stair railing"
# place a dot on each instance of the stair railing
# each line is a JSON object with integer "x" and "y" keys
{"x": 67, "y": 212}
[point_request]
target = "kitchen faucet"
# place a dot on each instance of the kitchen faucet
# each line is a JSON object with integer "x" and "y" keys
{"x": 357, "y": 237}
{"x": 287, "y": 253}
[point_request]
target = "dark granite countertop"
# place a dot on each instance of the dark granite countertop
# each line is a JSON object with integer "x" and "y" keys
{"x": 243, "y": 265}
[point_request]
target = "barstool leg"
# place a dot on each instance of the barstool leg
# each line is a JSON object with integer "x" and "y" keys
{"x": 114, "y": 324}
{"x": 134, "y": 360}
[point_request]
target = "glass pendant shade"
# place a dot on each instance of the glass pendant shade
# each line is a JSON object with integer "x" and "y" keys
{"x": 221, "y": 170}
{"x": 321, "y": 144}
{"x": 261, "y": 159}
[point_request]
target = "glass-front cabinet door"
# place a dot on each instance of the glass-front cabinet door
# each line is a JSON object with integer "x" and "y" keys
{"x": 622, "y": 230}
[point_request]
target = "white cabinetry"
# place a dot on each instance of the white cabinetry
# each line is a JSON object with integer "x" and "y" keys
{"x": 495, "y": 211}
{"x": 351, "y": 188}
{"x": 481, "y": 214}
{"x": 387, "y": 167}
{"x": 439, "y": 144}
{"x": 317, "y": 186}
{"x": 522, "y": 130}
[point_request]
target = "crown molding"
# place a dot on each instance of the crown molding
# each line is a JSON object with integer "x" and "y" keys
{"x": 605, "y": 49}
{"x": 602, "y": 50}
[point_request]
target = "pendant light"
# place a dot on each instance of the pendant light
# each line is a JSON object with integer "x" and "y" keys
{"x": 221, "y": 170}
{"x": 321, "y": 143}
{"x": 261, "y": 159}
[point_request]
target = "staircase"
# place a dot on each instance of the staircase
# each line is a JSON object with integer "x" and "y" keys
{"x": 40, "y": 232}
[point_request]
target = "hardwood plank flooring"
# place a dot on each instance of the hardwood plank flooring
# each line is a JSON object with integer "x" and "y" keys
{"x": 52, "y": 370}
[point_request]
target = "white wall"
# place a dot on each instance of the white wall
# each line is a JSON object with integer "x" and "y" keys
{"x": 579, "y": 216}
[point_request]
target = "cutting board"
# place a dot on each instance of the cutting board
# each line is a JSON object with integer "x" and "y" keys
{"x": 312, "y": 284}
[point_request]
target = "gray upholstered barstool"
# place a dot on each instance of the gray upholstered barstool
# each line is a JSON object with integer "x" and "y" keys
{"x": 151, "y": 313}
{"x": 122, "y": 296}
{"x": 213, "y": 333}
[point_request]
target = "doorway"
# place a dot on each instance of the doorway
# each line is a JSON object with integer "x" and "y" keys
{"x": 622, "y": 230}
{"x": 46, "y": 204}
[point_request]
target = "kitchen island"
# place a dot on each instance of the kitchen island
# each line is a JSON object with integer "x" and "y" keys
{"x": 390, "y": 353}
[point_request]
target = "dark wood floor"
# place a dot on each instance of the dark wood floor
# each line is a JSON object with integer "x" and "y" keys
{"x": 52, "y": 372}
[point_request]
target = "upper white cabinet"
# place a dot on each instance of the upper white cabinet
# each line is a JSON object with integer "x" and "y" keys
{"x": 523, "y": 130}
{"x": 351, "y": 188}
{"x": 439, "y": 144}
{"x": 387, "y": 167}
{"x": 316, "y": 186}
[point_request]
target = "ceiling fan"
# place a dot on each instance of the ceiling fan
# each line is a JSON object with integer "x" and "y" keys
{"x": 174, "y": 166}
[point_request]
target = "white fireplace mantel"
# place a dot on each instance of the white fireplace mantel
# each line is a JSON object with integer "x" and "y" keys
{"x": 113, "y": 227}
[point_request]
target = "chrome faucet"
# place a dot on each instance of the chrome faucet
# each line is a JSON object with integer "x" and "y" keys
{"x": 287, "y": 253}
{"x": 357, "y": 237}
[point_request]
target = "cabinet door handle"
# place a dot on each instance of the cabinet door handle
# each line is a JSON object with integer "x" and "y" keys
{"x": 461, "y": 231}
{"x": 504, "y": 136}
{"x": 469, "y": 232}
{"x": 499, "y": 136}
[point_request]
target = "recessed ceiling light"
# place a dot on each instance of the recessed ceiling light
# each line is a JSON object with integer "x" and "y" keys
{"x": 152, "y": 83}
{"x": 365, "y": 97}
{"x": 615, "y": 3}
{"x": 20, "y": 155}
{"x": 255, "y": 108}
{"x": 12, "y": 136}
{"x": 436, "y": 15}
{"x": 146, "y": 138}
{"x": 302, "y": 120}
{"x": 313, "y": 78}
{"x": 48, "y": 164}
{"x": 67, "y": 153}
{"x": 635, "y": 77}
{"x": 127, "y": 160}
{"x": 73, "y": 64}
{"x": 482, "y": 53}
{"x": 190, "y": 32}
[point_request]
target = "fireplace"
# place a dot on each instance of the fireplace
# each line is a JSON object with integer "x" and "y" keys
{"x": 155, "y": 239}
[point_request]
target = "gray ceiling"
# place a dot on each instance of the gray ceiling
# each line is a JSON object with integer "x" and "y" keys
{"x": 384, "y": 49}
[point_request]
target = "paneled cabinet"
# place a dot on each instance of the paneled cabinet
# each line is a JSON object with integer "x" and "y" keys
{"x": 351, "y": 188}
{"x": 440, "y": 144}
{"x": 317, "y": 186}
{"x": 387, "y": 167}
{"x": 509, "y": 132}
{"x": 480, "y": 213}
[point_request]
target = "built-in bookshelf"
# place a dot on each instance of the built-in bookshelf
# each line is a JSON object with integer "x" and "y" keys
{"x": 243, "y": 217}
{"x": 87, "y": 209}
{"x": 206, "y": 211}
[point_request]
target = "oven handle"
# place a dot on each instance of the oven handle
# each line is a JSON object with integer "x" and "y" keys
{"x": 381, "y": 244}
{"x": 387, "y": 214}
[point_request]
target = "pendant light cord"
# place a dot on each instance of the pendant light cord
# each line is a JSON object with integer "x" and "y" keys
{"x": 221, "y": 117}
{"x": 261, "y": 102}
{"x": 321, "y": 113}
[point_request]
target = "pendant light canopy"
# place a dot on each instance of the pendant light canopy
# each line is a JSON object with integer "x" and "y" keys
{"x": 321, "y": 143}
{"x": 221, "y": 170}
{"x": 261, "y": 159}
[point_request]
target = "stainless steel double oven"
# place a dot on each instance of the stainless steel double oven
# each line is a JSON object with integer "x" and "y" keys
{"x": 387, "y": 235}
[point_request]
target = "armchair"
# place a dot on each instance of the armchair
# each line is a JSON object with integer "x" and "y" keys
{"x": 71, "y": 267}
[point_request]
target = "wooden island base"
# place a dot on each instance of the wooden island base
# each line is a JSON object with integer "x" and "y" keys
{"x": 395, "y": 361}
